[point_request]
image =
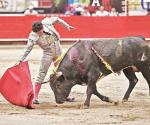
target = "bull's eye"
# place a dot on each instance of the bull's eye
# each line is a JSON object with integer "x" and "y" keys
{"x": 65, "y": 91}
{"x": 58, "y": 86}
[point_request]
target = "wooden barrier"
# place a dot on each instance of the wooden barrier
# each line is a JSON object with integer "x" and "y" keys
{"x": 18, "y": 27}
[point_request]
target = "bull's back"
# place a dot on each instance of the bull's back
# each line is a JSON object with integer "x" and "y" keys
{"x": 119, "y": 53}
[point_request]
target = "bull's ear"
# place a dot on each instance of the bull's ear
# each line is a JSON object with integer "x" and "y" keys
{"x": 61, "y": 78}
{"x": 52, "y": 78}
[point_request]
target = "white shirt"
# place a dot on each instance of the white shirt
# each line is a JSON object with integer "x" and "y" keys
{"x": 101, "y": 13}
{"x": 28, "y": 12}
{"x": 34, "y": 38}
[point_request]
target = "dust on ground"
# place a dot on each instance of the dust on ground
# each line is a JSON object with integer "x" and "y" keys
{"x": 134, "y": 112}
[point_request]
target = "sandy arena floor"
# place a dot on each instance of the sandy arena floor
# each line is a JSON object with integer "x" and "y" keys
{"x": 134, "y": 112}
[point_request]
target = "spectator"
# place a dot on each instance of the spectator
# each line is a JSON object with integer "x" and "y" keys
{"x": 70, "y": 10}
{"x": 101, "y": 12}
{"x": 53, "y": 8}
{"x": 2, "y": 4}
{"x": 85, "y": 12}
{"x": 113, "y": 12}
{"x": 106, "y": 4}
{"x": 78, "y": 9}
{"x": 148, "y": 12}
{"x": 30, "y": 11}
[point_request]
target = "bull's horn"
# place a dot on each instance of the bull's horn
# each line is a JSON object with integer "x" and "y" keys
{"x": 58, "y": 74}
{"x": 46, "y": 81}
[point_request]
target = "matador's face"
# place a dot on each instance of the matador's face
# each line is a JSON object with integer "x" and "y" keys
{"x": 40, "y": 33}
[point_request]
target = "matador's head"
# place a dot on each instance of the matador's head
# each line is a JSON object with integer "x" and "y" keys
{"x": 37, "y": 26}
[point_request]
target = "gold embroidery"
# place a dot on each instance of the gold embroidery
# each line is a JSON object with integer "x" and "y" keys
{"x": 50, "y": 38}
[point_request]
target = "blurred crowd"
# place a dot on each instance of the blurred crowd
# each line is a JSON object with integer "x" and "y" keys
{"x": 82, "y": 10}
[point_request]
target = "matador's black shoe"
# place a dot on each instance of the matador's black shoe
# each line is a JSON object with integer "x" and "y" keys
{"x": 36, "y": 101}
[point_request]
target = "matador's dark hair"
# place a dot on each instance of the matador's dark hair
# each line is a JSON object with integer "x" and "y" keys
{"x": 37, "y": 26}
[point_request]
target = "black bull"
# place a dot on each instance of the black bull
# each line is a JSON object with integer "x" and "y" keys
{"x": 87, "y": 61}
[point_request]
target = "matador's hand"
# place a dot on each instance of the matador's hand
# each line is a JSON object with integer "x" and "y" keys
{"x": 70, "y": 28}
{"x": 17, "y": 63}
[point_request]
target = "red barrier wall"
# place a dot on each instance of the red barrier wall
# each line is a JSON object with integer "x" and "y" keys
{"x": 18, "y": 27}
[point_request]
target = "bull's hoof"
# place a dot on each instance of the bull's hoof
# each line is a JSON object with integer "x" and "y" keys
{"x": 69, "y": 99}
{"x": 113, "y": 102}
{"x": 84, "y": 107}
{"x": 116, "y": 103}
{"x": 124, "y": 100}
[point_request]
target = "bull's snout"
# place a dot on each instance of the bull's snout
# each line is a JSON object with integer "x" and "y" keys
{"x": 59, "y": 101}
